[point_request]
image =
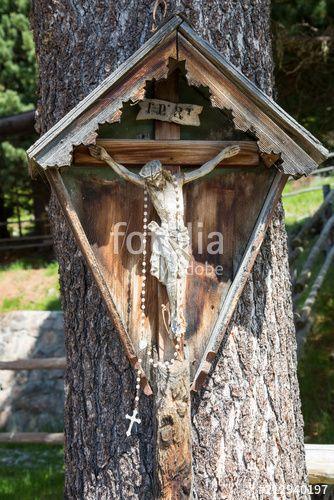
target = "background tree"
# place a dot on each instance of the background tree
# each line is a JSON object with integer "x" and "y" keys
{"x": 304, "y": 56}
{"x": 17, "y": 94}
{"x": 247, "y": 424}
{"x": 19, "y": 195}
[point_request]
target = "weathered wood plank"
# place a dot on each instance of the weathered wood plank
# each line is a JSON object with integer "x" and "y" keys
{"x": 211, "y": 206}
{"x": 169, "y": 152}
{"x": 320, "y": 463}
{"x": 59, "y": 188}
{"x": 319, "y": 244}
{"x": 305, "y": 314}
{"x": 32, "y": 437}
{"x": 228, "y": 305}
{"x": 112, "y": 219}
{"x": 34, "y": 364}
{"x": 166, "y": 111}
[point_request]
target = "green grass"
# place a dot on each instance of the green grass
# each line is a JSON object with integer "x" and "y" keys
{"x": 17, "y": 304}
{"x": 52, "y": 269}
{"x": 31, "y": 263}
{"x": 31, "y": 472}
{"x": 36, "y": 273}
{"x": 298, "y": 208}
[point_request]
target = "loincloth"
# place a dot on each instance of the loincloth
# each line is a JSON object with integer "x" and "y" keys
{"x": 170, "y": 253}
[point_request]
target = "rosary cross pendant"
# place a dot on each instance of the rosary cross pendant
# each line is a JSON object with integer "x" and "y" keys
{"x": 133, "y": 418}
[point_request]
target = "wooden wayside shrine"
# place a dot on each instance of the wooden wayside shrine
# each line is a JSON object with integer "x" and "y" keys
{"x": 200, "y": 212}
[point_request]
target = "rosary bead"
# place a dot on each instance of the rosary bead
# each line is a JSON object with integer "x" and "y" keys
{"x": 138, "y": 379}
{"x": 137, "y": 398}
{"x": 137, "y": 386}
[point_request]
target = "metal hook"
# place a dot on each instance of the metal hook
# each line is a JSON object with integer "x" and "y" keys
{"x": 158, "y": 3}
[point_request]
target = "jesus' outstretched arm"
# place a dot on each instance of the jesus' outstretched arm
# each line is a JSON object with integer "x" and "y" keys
{"x": 101, "y": 154}
{"x": 211, "y": 164}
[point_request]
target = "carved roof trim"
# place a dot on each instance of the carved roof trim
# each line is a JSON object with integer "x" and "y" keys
{"x": 36, "y": 151}
{"x": 80, "y": 125}
{"x": 312, "y": 146}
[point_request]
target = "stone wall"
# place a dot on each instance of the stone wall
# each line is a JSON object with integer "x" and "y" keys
{"x": 31, "y": 400}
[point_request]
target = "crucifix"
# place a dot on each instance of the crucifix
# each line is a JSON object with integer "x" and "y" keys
{"x": 133, "y": 418}
{"x": 170, "y": 249}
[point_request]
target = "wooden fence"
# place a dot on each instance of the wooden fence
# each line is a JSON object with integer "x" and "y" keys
{"x": 33, "y": 364}
{"x": 320, "y": 226}
{"x": 24, "y": 241}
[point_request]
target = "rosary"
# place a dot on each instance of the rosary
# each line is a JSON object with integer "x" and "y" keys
{"x": 143, "y": 342}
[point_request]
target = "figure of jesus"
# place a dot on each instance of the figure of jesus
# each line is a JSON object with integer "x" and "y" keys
{"x": 170, "y": 241}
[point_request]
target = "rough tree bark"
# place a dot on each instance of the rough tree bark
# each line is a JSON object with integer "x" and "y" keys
{"x": 247, "y": 423}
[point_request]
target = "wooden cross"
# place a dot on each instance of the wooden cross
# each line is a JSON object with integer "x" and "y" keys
{"x": 133, "y": 418}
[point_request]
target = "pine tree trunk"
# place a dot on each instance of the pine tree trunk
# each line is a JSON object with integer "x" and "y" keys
{"x": 247, "y": 423}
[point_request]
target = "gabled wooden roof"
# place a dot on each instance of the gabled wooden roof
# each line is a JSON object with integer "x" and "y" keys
{"x": 276, "y": 131}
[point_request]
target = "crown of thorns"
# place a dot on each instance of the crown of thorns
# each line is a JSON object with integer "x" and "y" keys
{"x": 151, "y": 169}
